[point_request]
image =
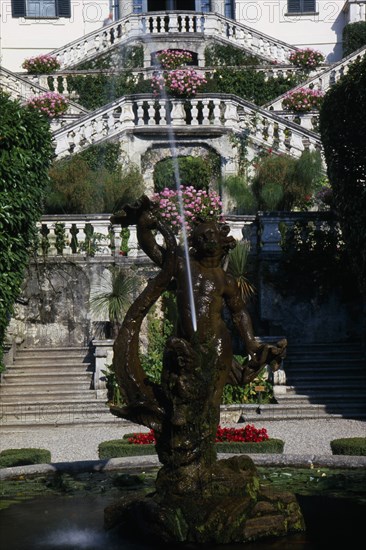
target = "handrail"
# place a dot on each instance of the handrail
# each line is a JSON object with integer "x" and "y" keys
{"x": 148, "y": 26}
{"x": 220, "y": 113}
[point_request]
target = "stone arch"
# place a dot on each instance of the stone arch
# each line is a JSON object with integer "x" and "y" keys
{"x": 162, "y": 151}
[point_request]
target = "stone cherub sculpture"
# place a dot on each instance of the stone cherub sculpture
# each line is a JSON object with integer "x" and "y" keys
{"x": 184, "y": 409}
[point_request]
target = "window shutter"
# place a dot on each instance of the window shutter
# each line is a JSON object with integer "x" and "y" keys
{"x": 309, "y": 5}
{"x": 18, "y": 8}
{"x": 63, "y": 8}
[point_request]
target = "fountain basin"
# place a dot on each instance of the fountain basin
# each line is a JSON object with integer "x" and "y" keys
{"x": 61, "y": 506}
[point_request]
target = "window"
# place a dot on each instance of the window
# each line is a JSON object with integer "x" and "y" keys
{"x": 301, "y": 6}
{"x": 41, "y": 8}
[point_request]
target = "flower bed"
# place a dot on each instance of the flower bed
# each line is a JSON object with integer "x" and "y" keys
{"x": 228, "y": 440}
{"x": 303, "y": 100}
{"x": 41, "y": 64}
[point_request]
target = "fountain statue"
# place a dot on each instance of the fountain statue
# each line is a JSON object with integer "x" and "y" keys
{"x": 198, "y": 498}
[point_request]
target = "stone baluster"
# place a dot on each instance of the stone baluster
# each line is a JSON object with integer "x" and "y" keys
{"x": 133, "y": 246}
{"x": 178, "y": 113}
{"x": 127, "y": 117}
{"x": 155, "y": 27}
{"x": 270, "y": 234}
{"x": 270, "y": 132}
{"x": 68, "y": 236}
{"x": 217, "y": 112}
{"x": 140, "y": 112}
{"x": 191, "y": 23}
{"x": 151, "y": 112}
{"x": 52, "y": 251}
{"x": 116, "y": 238}
{"x": 205, "y": 113}
{"x": 80, "y": 235}
{"x": 173, "y": 22}
{"x": 194, "y": 112}
{"x": 102, "y": 230}
{"x": 163, "y": 112}
{"x": 111, "y": 121}
{"x": 231, "y": 115}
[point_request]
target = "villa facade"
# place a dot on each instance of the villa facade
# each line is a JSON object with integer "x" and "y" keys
{"x": 32, "y": 27}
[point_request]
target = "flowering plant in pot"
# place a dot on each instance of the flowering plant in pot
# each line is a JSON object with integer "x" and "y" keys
{"x": 196, "y": 203}
{"x": 306, "y": 59}
{"x": 303, "y": 100}
{"x": 178, "y": 83}
{"x": 51, "y": 104}
{"x": 41, "y": 64}
{"x": 173, "y": 59}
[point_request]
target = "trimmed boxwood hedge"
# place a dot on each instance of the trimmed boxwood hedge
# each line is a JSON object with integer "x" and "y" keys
{"x": 23, "y": 457}
{"x": 117, "y": 448}
{"x": 354, "y": 446}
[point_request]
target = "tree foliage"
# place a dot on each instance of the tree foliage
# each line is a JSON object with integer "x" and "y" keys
{"x": 92, "y": 182}
{"x": 343, "y": 133}
{"x": 194, "y": 171}
{"x": 25, "y": 154}
{"x": 282, "y": 182}
{"x": 354, "y": 37}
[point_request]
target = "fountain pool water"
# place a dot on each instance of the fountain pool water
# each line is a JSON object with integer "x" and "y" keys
{"x": 73, "y": 517}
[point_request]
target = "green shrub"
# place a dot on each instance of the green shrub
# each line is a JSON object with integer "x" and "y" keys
{"x": 25, "y": 153}
{"x": 23, "y": 457}
{"x": 282, "y": 182}
{"x": 120, "y": 447}
{"x": 354, "y": 37}
{"x": 353, "y": 446}
{"x": 244, "y": 201}
{"x": 248, "y": 84}
{"x": 218, "y": 54}
{"x": 89, "y": 183}
{"x": 194, "y": 171}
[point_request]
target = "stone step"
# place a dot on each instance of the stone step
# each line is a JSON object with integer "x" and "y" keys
{"x": 255, "y": 412}
{"x": 350, "y": 396}
{"x": 53, "y": 351}
{"x": 44, "y": 387}
{"x": 52, "y": 377}
{"x": 35, "y": 370}
{"x": 13, "y": 422}
{"x": 58, "y": 405}
{"x": 14, "y": 395}
{"x": 35, "y": 362}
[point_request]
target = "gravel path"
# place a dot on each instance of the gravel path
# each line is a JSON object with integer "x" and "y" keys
{"x": 68, "y": 444}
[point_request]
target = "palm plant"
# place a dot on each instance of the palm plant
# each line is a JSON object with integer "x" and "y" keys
{"x": 114, "y": 296}
{"x": 237, "y": 266}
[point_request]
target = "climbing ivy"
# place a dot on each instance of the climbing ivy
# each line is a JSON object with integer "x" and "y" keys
{"x": 25, "y": 155}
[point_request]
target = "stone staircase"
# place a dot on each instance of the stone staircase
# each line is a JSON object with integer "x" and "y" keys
{"x": 54, "y": 387}
{"x": 51, "y": 386}
{"x": 322, "y": 381}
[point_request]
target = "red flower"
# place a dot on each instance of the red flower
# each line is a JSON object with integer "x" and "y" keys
{"x": 242, "y": 435}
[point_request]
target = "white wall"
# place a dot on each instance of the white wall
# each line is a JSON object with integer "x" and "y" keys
{"x": 321, "y": 30}
{"x": 23, "y": 37}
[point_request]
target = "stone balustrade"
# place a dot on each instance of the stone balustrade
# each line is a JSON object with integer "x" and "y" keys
{"x": 147, "y": 26}
{"x": 94, "y": 235}
{"x": 59, "y": 81}
{"x": 23, "y": 88}
{"x": 218, "y": 113}
{"x": 323, "y": 80}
